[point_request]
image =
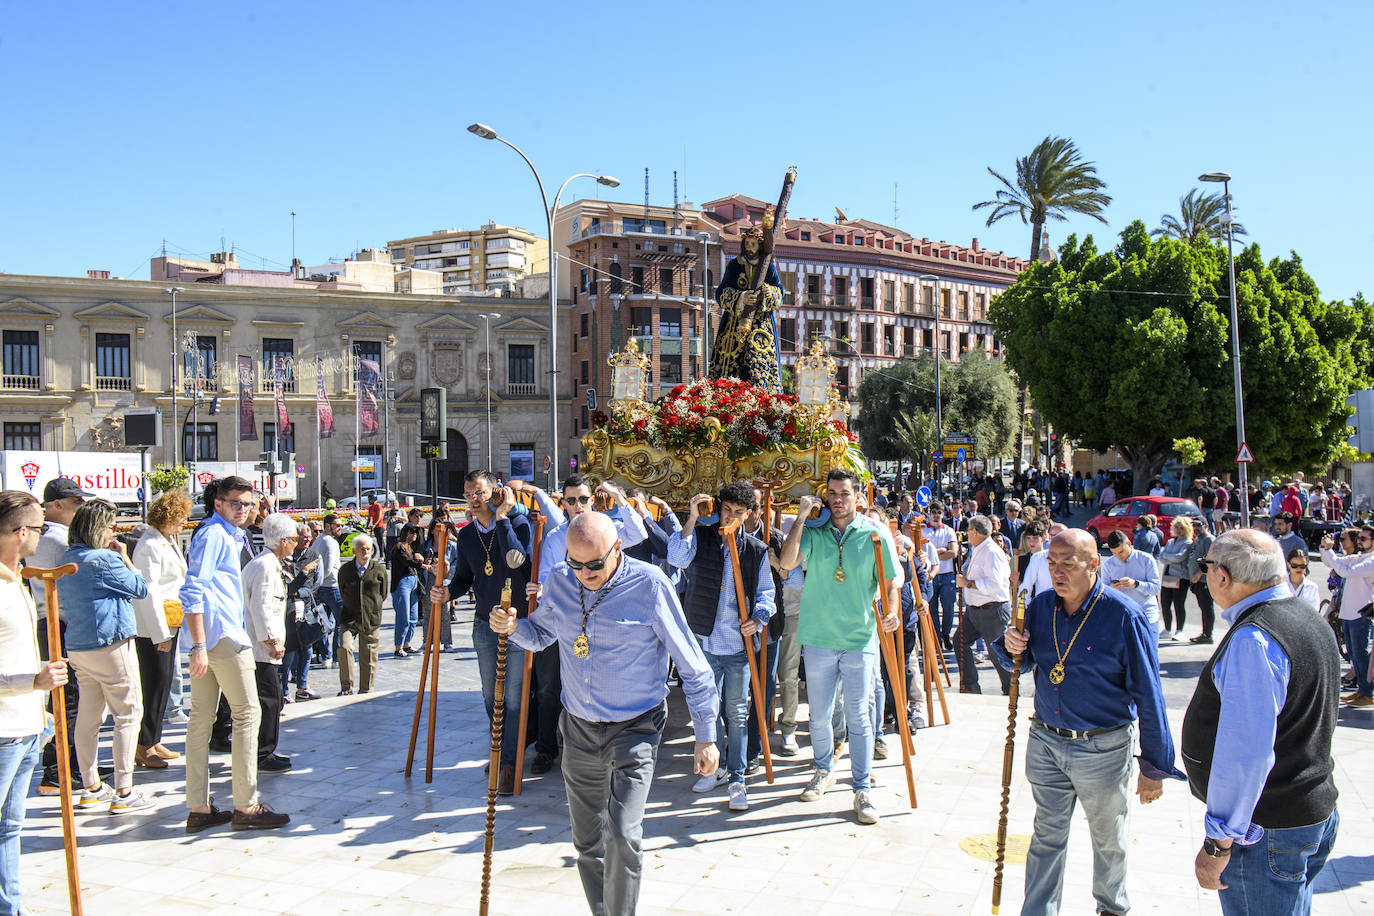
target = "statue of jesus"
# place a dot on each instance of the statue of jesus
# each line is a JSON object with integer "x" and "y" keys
{"x": 746, "y": 346}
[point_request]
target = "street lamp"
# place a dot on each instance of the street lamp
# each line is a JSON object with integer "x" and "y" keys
{"x": 939, "y": 414}
{"x": 486, "y": 318}
{"x": 1242, "y": 468}
{"x": 705, "y": 239}
{"x": 487, "y": 133}
{"x": 176, "y": 344}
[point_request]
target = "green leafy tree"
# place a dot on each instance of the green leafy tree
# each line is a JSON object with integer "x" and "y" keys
{"x": 1191, "y": 453}
{"x": 1053, "y": 180}
{"x": 1200, "y": 219}
{"x": 1131, "y": 349}
{"x": 162, "y": 478}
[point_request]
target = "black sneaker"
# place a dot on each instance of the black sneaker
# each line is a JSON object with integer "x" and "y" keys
{"x": 274, "y": 764}
{"x": 221, "y": 747}
{"x": 1203, "y": 640}
{"x": 754, "y": 766}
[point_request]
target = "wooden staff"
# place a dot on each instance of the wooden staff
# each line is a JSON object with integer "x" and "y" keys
{"x": 933, "y": 657}
{"x": 895, "y": 669}
{"x": 959, "y": 592}
{"x": 498, "y": 718}
{"x": 430, "y": 660}
{"x": 727, "y": 532}
{"x": 49, "y": 578}
{"x": 767, "y": 489}
{"x": 529, "y": 658}
{"x": 1009, "y": 751}
{"x": 899, "y": 642}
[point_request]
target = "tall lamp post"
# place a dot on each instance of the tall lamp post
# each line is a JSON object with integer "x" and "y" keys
{"x": 1243, "y": 471}
{"x": 939, "y": 411}
{"x": 487, "y": 133}
{"x": 486, "y": 318}
{"x": 705, "y": 239}
{"x": 176, "y": 347}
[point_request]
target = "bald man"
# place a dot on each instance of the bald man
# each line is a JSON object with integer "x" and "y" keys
{"x": 617, "y": 622}
{"x": 1096, "y": 673}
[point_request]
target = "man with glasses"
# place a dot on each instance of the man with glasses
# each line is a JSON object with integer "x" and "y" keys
{"x": 577, "y": 499}
{"x": 1257, "y": 736}
{"x": 221, "y": 662}
{"x": 617, "y": 623}
{"x": 61, "y": 498}
{"x": 1357, "y": 603}
{"x": 492, "y": 549}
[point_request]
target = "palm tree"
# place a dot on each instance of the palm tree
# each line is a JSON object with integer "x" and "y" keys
{"x": 914, "y": 434}
{"x": 1202, "y": 217}
{"x": 1052, "y": 180}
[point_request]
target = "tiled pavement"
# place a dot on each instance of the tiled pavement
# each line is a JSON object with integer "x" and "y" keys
{"x": 364, "y": 838}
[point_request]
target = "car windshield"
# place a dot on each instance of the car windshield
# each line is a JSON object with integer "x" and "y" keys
{"x": 1170, "y": 510}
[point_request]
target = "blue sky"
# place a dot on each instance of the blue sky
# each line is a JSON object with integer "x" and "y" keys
{"x": 129, "y": 123}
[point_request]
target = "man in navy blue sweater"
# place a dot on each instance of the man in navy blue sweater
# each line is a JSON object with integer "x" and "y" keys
{"x": 494, "y": 547}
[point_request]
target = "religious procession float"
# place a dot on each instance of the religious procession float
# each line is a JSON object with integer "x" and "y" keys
{"x": 737, "y": 423}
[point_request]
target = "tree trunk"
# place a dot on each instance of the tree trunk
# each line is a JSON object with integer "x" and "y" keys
{"x": 1035, "y": 241}
{"x": 1146, "y": 462}
{"x": 1020, "y": 425}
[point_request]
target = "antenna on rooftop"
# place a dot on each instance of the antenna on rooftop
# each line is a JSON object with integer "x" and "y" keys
{"x": 675, "y": 214}
{"x": 646, "y": 194}
{"x": 895, "y": 211}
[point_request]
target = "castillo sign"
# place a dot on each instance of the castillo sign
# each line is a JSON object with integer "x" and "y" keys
{"x": 115, "y": 476}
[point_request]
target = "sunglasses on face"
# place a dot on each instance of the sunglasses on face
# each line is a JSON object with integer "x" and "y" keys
{"x": 1206, "y": 564}
{"x": 578, "y": 500}
{"x": 238, "y": 503}
{"x": 1302, "y": 566}
{"x": 41, "y": 529}
{"x": 591, "y": 566}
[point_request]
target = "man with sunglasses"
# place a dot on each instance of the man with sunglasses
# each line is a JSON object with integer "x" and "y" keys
{"x": 617, "y": 623}
{"x": 1257, "y": 735}
{"x": 577, "y": 498}
{"x": 1357, "y": 603}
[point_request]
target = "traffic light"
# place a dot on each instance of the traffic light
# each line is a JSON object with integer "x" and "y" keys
{"x": 433, "y": 414}
{"x": 267, "y": 461}
{"x": 1362, "y": 420}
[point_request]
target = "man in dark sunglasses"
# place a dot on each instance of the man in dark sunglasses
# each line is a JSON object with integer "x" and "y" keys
{"x": 616, "y": 622}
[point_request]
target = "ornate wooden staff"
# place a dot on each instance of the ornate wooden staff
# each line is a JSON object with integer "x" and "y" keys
{"x": 899, "y": 701}
{"x": 962, "y": 537}
{"x": 772, "y": 222}
{"x": 933, "y": 658}
{"x": 895, "y": 670}
{"x": 727, "y": 532}
{"x": 1007, "y": 753}
{"x": 430, "y": 660}
{"x": 529, "y": 658}
{"x": 498, "y": 718}
{"x": 49, "y": 578}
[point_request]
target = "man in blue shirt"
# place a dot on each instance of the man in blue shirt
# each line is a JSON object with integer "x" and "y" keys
{"x": 617, "y": 623}
{"x": 221, "y": 661}
{"x": 1096, "y": 673}
{"x": 1257, "y": 735}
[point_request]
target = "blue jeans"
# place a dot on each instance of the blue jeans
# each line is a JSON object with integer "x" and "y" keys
{"x": 825, "y": 670}
{"x": 1062, "y": 772}
{"x": 405, "y": 602}
{"x": 770, "y": 684}
{"x": 944, "y": 599}
{"x": 333, "y": 602}
{"x": 18, "y": 757}
{"x": 1357, "y": 644}
{"x": 295, "y": 666}
{"x": 731, "y": 673}
{"x": 485, "y": 642}
{"x": 1274, "y": 876}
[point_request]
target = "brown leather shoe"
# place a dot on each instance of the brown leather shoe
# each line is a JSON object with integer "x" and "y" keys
{"x": 259, "y": 817}
{"x": 147, "y": 757}
{"x": 196, "y": 822}
{"x": 164, "y": 752}
{"x": 507, "y": 784}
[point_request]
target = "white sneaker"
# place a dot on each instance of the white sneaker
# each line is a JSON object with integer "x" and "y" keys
{"x": 863, "y": 808}
{"x": 789, "y": 748}
{"x": 134, "y": 801}
{"x": 101, "y": 796}
{"x": 739, "y": 798}
{"x": 1178, "y": 634}
{"x": 821, "y": 781}
{"x": 178, "y": 718}
{"x": 711, "y": 780}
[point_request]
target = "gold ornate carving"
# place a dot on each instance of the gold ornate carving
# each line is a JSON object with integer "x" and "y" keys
{"x": 629, "y": 377}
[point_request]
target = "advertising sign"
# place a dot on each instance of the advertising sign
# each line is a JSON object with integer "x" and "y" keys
{"x": 522, "y": 464}
{"x": 115, "y": 476}
{"x": 207, "y": 471}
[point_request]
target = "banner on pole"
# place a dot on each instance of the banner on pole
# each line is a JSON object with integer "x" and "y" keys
{"x": 368, "y": 374}
{"x": 279, "y": 392}
{"x": 248, "y": 427}
{"x": 324, "y": 414}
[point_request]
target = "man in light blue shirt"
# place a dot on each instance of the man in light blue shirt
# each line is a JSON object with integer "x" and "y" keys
{"x": 1134, "y": 573}
{"x": 221, "y": 661}
{"x": 617, "y": 623}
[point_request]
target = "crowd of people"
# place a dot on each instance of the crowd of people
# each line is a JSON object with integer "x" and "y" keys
{"x": 630, "y": 598}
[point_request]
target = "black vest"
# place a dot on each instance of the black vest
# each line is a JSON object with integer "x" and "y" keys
{"x": 1299, "y": 790}
{"x": 707, "y": 576}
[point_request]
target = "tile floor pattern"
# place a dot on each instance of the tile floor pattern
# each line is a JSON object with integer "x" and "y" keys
{"x": 365, "y": 839}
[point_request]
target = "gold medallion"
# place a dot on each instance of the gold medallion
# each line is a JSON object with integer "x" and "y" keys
{"x": 1057, "y": 674}
{"x": 581, "y": 648}
{"x": 839, "y": 574}
{"x": 488, "y": 568}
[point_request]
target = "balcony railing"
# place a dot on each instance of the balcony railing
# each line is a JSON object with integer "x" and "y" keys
{"x": 609, "y": 228}
{"x": 22, "y": 382}
{"x": 866, "y": 302}
{"x": 520, "y": 389}
{"x": 113, "y": 384}
{"x": 841, "y": 300}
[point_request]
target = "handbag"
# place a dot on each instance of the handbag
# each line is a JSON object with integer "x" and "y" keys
{"x": 312, "y": 621}
{"x": 171, "y": 609}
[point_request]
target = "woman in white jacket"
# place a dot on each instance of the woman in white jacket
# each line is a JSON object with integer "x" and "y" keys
{"x": 158, "y": 556}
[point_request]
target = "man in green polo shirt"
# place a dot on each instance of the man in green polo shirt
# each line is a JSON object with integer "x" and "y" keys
{"x": 836, "y": 629}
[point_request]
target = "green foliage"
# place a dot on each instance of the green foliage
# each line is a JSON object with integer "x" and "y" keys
{"x": 897, "y": 406}
{"x": 1190, "y": 451}
{"x": 1131, "y": 349}
{"x": 162, "y": 478}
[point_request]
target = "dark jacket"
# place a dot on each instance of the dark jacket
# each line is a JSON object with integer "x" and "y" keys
{"x": 362, "y": 597}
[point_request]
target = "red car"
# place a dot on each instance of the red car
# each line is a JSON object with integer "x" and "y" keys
{"x": 1123, "y": 515}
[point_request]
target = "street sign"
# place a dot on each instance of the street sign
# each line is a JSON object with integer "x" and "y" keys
{"x": 923, "y": 497}
{"x": 591, "y": 399}
{"x": 1243, "y": 456}
{"x": 960, "y": 439}
{"x": 937, "y": 457}
{"x": 951, "y": 452}
{"x": 960, "y": 454}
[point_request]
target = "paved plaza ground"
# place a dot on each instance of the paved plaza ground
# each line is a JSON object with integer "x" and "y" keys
{"x": 365, "y": 839}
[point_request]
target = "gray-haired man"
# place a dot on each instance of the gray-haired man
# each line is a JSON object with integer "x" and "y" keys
{"x": 986, "y": 581}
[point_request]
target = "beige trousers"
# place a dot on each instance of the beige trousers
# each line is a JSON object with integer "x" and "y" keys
{"x": 232, "y": 673}
{"x": 366, "y": 645}
{"x": 107, "y": 681}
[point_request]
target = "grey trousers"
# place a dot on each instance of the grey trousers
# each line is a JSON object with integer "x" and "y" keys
{"x": 989, "y": 621}
{"x": 607, "y": 769}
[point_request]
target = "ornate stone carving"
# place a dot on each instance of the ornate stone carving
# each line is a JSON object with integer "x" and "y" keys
{"x": 447, "y": 363}
{"x": 405, "y": 366}
{"x": 108, "y": 435}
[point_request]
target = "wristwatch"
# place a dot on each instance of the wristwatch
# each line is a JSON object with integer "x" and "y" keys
{"x": 1215, "y": 849}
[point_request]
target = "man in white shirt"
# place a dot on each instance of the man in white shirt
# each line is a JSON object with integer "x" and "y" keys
{"x": 1035, "y": 578}
{"x": 986, "y": 582}
{"x": 1357, "y": 570}
{"x": 946, "y": 544}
